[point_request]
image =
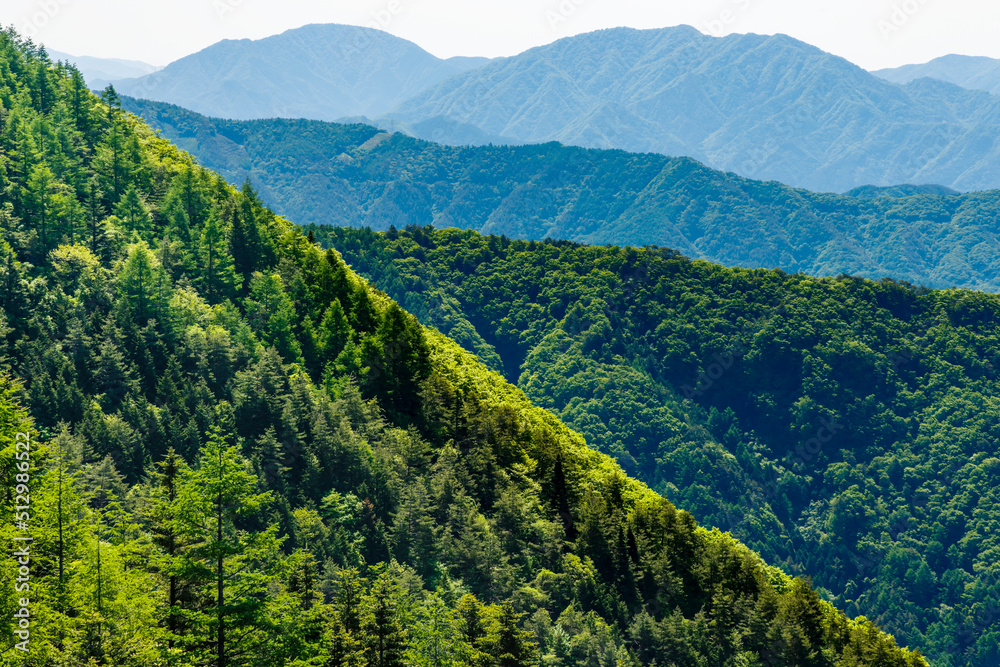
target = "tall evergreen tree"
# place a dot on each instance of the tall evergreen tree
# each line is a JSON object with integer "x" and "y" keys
{"x": 133, "y": 212}
{"x": 383, "y": 636}
{"x": 141, "y": 284}
{"x": 234, "y": 565}
{"x": 217, "y": 275}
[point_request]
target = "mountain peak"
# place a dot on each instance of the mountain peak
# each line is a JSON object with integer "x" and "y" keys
{"x": 322, "y": 71}
{"x": 972, "y": 72}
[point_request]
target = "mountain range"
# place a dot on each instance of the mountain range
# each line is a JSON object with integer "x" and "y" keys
{"x": 225, "y": 447}
{"x": 972, "y": 72}
{"x": 356, "y": 175}
{"x": 768, "y": 107}
{"x": 99, "y": 72}
{"x": 318, "y": 71}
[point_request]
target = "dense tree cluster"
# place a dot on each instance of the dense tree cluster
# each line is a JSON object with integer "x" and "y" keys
{"x": 842, "y": 428}
{"x": 245, "y": 455}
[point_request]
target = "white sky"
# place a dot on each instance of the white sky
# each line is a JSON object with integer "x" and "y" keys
{"x": 871, "y": 33}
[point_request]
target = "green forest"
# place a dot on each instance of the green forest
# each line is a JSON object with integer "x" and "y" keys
{"x": 357, "y": 176}
{"x": 241, "y": 453}
{"x": 844, "y": 429}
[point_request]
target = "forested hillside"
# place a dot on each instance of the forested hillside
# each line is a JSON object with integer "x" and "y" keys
{"x": 242, "y": 454}
{"x": 843, "y": 428}
{"x": 354, "y": 175}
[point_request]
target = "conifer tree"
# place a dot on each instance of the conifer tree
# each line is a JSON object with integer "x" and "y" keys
{"x": 334, "y": 332}
{"x": 383, "y": 635}
{"x": 272, "y": 313}
{"x": 217, "y": 275}
{"x": 133, "y": 212}
{"x": 232, "y": 565}
{"x": 142, "y": 285}
{"x": 168, "y": 537}
{"x": 509, "y": 645}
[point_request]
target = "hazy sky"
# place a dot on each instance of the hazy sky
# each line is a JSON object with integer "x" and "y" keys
{"x": 871, "y": 33}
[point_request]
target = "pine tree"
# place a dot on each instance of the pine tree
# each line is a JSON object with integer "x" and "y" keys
{"x": 110, "y": 159}
{"x": 233, "y": 565}
{"x": 334, "y": 332}
{"x": 342, "y": 636}
{"x": 435, "y": 641}
{"x": 142, "y": 285}
{"x": 133, "y": 211}
{"x": 472, "y": 630}
{"x": 509, "y": 645}
{"x": 250, "y": 248}
{"x": 217, "y": 275}
{"x": 38, "y": 202}
{"x": 167, "y": 535}
{"x": 383, "y": 636}
{"x": 272, "y": 313}
{"x": 94, "y": 216}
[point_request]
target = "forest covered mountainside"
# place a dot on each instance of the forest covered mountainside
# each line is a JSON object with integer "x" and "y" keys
{"x": 357, "y": 176}
{"x": 842, "y": 428}
{"x": 243, "y": 454}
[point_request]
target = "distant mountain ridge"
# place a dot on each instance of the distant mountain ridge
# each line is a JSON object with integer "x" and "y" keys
{"x": 972, "y": 72}
{"x": 98, "y": 72}
{"x": 356, "y": 176}
{"x": 768, "y": 107}
{"x": 765, "y": 107}
{"x": 323, "y": 72}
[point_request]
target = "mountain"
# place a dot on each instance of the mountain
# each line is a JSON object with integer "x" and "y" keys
{"x": 844, "y": 428}
{"x": 972, "y": 72}
{"x": 227, "y": 448}
{"x": 899, "y": 191}
{"x": 317, "y": 71}
{"x": 766, "y": 107}
{"x": 355, "y": 175}
{"x": 99, "y": 72}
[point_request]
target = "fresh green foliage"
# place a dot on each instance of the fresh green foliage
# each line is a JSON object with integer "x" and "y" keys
{"x": 245, "y": 455}
{"x": 844, "y": 428}
{"x": 356, "y": 176}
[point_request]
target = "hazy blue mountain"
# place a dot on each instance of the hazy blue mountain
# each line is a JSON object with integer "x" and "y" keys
{"x": 98, "y": 72}
{"x": 317, "y": 71}
{"x": 767, "y": 107}
{"x": 762, "y": 106}
{"x": 357, "y": 175}
{"x": 972, "y": 72}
